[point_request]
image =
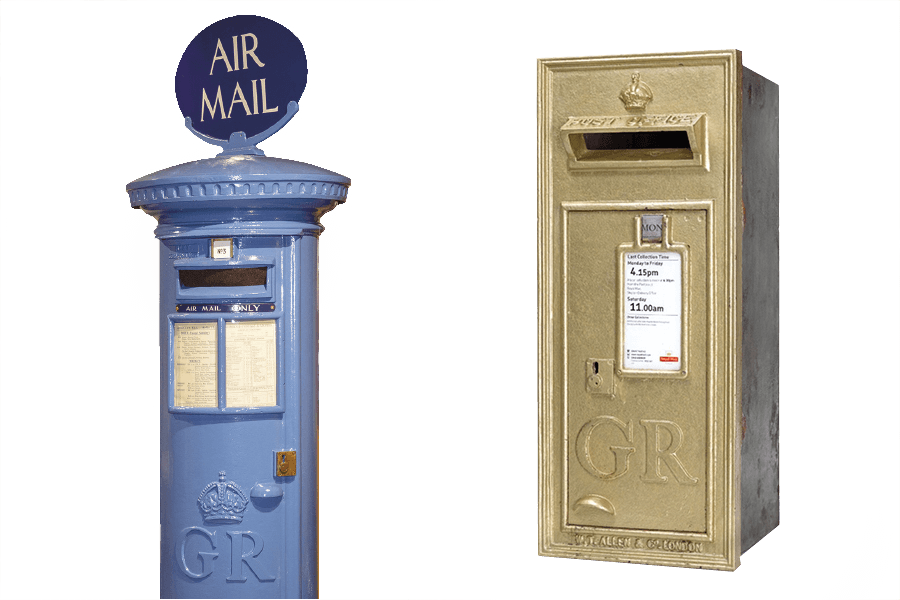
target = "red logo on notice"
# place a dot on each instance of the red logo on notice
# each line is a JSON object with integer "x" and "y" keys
{"x": 668, "y": 359}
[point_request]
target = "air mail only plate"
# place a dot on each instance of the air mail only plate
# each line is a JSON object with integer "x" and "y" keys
{"x": 255, "y": 307}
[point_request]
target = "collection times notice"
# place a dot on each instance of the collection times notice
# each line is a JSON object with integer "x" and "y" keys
{"x": 250, "y": 363}
{"x": 652, "y": 306}
{"x": 195, "y": 364}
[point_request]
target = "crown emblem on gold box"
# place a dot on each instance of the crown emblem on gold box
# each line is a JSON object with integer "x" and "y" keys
{"x": 222, "y": 501}
{"x": 637, "y": 94}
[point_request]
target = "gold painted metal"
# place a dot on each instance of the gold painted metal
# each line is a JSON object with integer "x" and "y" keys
{"x": 286, "y": 463}
{"x": 599, "y": 377}
{"x": 640, "y": 465}
{"x": 582, "y": 158}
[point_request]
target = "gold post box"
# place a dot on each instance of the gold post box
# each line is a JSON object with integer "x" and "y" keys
{"x": 658, "y": 316}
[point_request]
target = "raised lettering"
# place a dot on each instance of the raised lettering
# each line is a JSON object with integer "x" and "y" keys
{"x": 206, "y": 558}
{"x": 262, "y": 82}
{"x": 621, "y": 453}
{"x": 239, "y": 557}
{"x": 656, "y": 455}
{"x": 219, "y": 55}
{"x": 250, "y": 51}
{"x": 234, "y": 96}
{"x": 204, "y": 104}
{"x": 586, "y": 449}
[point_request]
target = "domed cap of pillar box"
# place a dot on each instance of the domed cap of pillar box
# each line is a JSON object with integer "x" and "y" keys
{"x": 238, "y": 188}
{"x": 225, "y": 178}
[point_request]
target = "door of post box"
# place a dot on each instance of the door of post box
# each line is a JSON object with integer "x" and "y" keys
{"x": 231, "y": 389}
{"x": 653, "y": 295}
{"x": 640, "y": 429}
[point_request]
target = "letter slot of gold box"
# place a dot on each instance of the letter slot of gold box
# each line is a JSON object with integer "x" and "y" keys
{"x": 658, "y": 320}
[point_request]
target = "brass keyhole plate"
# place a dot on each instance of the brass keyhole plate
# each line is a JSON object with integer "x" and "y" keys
{"x": 286, "y": 463}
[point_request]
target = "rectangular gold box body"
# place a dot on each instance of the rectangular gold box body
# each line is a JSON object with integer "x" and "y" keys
{"x": 658, "y": 316}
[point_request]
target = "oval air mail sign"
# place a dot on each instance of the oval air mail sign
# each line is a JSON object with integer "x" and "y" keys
{"x": 239, "y": 74}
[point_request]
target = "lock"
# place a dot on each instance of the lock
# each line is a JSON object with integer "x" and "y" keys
{"x": 599, "y": 376}
{"x": 286, "y": 463}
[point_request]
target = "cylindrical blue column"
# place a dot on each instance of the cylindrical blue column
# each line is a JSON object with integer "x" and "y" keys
{"x": 309, "y": 414}
{"x": 239, "y": 373}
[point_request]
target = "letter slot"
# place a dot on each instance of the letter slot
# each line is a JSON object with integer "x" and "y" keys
{"x": 628, "y": 141}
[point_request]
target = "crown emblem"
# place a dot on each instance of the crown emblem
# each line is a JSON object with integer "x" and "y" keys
{"x": 222, "y": 501}
{"x": 637, "y": 94}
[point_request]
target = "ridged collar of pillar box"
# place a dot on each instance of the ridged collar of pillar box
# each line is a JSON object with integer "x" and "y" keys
{"x": 238, "y": 195}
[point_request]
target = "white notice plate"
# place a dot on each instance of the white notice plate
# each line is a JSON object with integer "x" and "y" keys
{"x": 250, "y": 365}
{"x": 652, "y": 308}
{"x": 196, "y": 364}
